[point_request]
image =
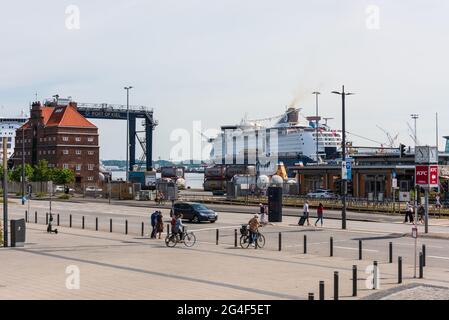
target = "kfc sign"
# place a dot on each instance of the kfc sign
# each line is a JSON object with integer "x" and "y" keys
{"x": 433, "y": 179}
{"x": 426, "y": 175}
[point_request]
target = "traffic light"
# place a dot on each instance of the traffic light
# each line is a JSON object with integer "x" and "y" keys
{"x": 10, "y": 164}
{"x": 402, "y": 150}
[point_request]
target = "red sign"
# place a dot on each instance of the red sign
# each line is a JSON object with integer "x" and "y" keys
{"x": 426, "y": 175}
{"x": 422, "y": 175}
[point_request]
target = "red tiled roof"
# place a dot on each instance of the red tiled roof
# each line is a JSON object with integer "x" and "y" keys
{"x": 68, "y": 116}
{"x": 46, "y": 113}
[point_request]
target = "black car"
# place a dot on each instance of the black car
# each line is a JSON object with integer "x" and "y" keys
{"x": 193, "y": 211}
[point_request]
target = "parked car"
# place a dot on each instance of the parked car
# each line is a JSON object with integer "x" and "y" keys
{"x": 62, "y": 189}
{"x": 195, "y": 212}
{"x": 93, "y": 189}
{"x": 321, "y": 193}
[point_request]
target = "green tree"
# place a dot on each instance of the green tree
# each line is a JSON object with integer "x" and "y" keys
{"x": 41, "y": 172}
{"x": 62, "y": 176}
{"x": 16, "y": 174}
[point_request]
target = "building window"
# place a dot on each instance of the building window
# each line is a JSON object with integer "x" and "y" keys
{"x": 90, "y": 178}
{"x": 91, "y": 166}
{"x": 77, "y": 139}
{"x": 65, "y": 151}
{"x": 65, "y": 166}
{"x": 44, "y": 152}
{"x": 90, "y": 139}
{"x": 91, "y": 153}
{"x": 78, "y": 152}
{"x": 65, "y": 138}
{"x": 78, "y": 167}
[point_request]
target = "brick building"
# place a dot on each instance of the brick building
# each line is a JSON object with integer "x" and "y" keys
{"x": 58, "y": 133}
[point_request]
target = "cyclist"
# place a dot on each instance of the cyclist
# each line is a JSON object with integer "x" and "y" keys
{"x": 179, "y": 226}
{"x": 254, "y": 225}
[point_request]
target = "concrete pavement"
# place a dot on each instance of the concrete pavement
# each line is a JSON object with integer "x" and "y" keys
{"x": 115, "y": 266}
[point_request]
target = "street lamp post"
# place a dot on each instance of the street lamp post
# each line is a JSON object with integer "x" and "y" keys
{"x": 415, "y": 117}
{"x": 23, "y": 165}
{"x": 343, "y": 154}
{"x": 127, "y": 131}
{"x": 316, "y": 93}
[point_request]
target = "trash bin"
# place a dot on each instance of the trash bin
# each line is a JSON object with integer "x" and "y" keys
{"x": 18, "y": 233}
{"x": 275, "y": 204}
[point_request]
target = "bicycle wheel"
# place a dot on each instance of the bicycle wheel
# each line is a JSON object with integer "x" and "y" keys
{"x": 189, "y": 239}
{"x": 260, "y": 241}
{"x": 244, "y": 241}
{"x": 171, "y": 241}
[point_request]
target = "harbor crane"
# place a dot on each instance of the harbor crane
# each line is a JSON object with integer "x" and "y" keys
{"x": 391, "y": 139}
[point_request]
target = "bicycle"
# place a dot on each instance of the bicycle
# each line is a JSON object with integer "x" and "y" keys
{"x": 245, "y": 238}
{"x": 188, "y": 238}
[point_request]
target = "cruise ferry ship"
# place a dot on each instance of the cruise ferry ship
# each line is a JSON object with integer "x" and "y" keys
{"x": 292, "y": 140}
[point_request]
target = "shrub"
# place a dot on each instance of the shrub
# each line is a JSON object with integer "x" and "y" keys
{"x": 41, "y": 194}
{"x": 64, "y": 196}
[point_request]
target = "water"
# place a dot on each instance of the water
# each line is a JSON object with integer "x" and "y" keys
{"x": 193, "y": 180}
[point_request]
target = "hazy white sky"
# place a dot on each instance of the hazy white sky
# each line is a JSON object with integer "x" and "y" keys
{"x": 214, "y": 61}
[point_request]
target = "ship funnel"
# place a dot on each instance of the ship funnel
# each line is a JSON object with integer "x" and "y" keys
{"x": 292, "y": 115}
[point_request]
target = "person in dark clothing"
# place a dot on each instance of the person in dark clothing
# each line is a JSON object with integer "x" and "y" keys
{"x": 153, "y": 224}
{"x": 159, "y": 224}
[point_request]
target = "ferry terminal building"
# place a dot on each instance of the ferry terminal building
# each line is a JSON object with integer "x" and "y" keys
{"x": 372, "y": 175}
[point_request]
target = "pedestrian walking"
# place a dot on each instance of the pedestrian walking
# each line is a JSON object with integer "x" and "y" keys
{"x": 160, "y": 224}
{"x": 408, "y": 212}
{"x": 319, "y": 212}
{"x": 263, "y": 214}
{"x": 437, "y": 201}
{"x": 153, "y": 220}
{"x": 421, "y": 213}
{"x": 306, "y": 212}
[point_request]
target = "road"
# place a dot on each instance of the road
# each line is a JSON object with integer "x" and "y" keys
{"x": 375, "y": 236}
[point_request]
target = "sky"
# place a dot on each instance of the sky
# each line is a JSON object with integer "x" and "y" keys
{"x": 215, "y": 61}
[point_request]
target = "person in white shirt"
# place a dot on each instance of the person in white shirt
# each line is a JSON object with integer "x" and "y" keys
{"x": 306, "y": 211}
{"x": 408, "y": 212}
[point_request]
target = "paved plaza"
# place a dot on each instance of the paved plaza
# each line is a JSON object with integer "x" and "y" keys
{"x": 118, "y": 266}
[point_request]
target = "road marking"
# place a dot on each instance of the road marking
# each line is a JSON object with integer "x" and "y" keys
{"x": 438, "y": 257}
{"x": 412, "y": 245}
{"x": 349, "y": 248}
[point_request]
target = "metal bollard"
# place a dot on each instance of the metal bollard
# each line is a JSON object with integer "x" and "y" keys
{"x": 423, "y": 255}
{"x": 332, "y": 246}
{"x": 96, "y": 224}
{"x": 305, "y": 244}
{"x": 391, "y": 252}
{"x": 35, "y": 216}
{"x": 126, "y": 226}
{"x": 280, "y": 241}
{"x": 70, "y": 221}
{"x": 57, "y": 219}
{"x": 375, "y": 275}
{"x": 321, "y": 290}
{"x": 217, "y": 236}
{"x": 311, "y": 296}
{"x": 110, "y": 225}
{"x": 26, "y": 216}
{"x": 354, "y": 281}
{"x": 421, "y": 267}
{"x": 235, "y": 238}
{"x": 168, "y": 229}
{"x": 46, "y": 217}
{"x": 142, "y": 229}
{"x": 360, "y": 250}
{"x": 82, "y": 223}
{"x": 335, "y": 285}
{"x": 399, "y": 269}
